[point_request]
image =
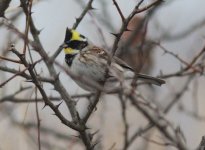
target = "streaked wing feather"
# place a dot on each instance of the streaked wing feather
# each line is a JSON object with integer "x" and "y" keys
{"x": 101, "y": 53}
{"x": 123, "y": 64}
{"x": 153, "y": 80}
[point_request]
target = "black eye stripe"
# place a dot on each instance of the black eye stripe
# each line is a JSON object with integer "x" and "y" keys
{"x": 76, "y": 44}
{"x": 73, "y": 44}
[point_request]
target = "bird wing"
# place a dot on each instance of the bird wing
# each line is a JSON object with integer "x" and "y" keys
{"x": 119, "y": 65}
{"x": 123, "y": 64}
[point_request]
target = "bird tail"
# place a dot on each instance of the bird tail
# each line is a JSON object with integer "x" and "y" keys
{"x": 152, "y": 80}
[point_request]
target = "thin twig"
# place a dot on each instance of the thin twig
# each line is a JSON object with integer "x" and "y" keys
{"x": 12, "y": 77}
{"x": 91, "y": 107}
{"x": 149, "y": 6}
{"x": 177, "y": 57}
{"x": 157, "y": 121}
{"x": 10, "y": 60}
{"x": 38, "y": 121}
{"x": 124, "y": 119}
{"x": 180, "y": 72}
{"x": 28, "y": 15}
{"x": 11, "y": 98}
{"x": 25, "y": 75}
{"x": 119, "y": 11}
{"x": 156, "y": 142}
{"x": 82, "y": 15}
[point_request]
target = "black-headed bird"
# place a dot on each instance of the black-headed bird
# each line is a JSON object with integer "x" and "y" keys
{"x": 86, "y": 59}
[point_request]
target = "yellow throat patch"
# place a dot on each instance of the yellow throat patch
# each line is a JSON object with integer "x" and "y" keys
{"x": 70, "y": 51}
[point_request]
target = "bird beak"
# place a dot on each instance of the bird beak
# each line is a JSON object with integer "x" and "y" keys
{"x": 63, "y": 45}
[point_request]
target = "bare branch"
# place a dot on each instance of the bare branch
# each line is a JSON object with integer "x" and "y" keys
{"x": 15, "y": 75}
{"x": 161, "y": 125}
{"x": 9, "y": 59}
{"x": 38, "y": 121}
{"x": 80, "y": 18}
{"x": 28, "y": 16}
{"x": 45, "y": 98}
{"x": 119, "y": 10}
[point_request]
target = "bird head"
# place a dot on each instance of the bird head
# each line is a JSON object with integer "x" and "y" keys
{"x": 74, "y": 42}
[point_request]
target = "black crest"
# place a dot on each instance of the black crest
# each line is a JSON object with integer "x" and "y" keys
{"x": 68, "y": 35}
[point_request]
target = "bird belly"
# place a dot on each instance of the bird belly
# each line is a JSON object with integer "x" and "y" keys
{"x": 88, "y": 69}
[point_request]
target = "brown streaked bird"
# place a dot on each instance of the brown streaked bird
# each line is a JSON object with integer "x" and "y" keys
{"x": 86, "y": 59}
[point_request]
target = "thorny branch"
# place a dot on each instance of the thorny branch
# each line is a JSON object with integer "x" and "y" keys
{"x": 9, "y": 59}
{"x": 124, "y": 118}
{"x": 158, "y": 121}
{"x": 84, "y": 12}
{"x": 119, "y": 10}
{"x": 28, "y": 16}
{"x": 172, "y": 102}
{"x": 114, "y": 48}
{"x": 38, "y": 121}
{"x": 44, "y": 95}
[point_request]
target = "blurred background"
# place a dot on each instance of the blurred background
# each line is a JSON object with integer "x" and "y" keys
{"x": 179, "y": 27}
